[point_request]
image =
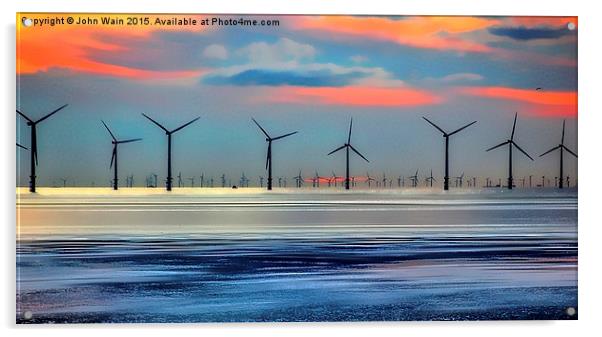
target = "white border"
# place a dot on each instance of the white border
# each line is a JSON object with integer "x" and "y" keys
{"x": 590, "y": 111}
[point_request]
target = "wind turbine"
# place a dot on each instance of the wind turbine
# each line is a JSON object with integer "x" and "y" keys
{"x": 561, "y": 147}
{"x": 414, "y": 179}
{"x": 334, "y": 178}
{"x": 268, "y": 162}
{"x": 299, "y": 179}
{"x": 243, "y": 181}
{"x": 460, "y": 180}
{"x": 315, "y": 181}
{"x": 169, "y": 133}
{"x": 446, "y": 136}
{"x": 34, "y": 145}
{"x": 116, "y": 142}
{"x": 21, "y": 146}
{"x": 369, "y": 179}
{"x": 430, "y": 178}
{"x": 510, "y": 142}
{"x": 348, "y": 146}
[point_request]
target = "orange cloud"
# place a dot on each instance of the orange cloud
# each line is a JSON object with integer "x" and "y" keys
{"x": 354, "y": 96}
{"x": 40, "y": 48}
{"x": 541, "y": 103}
{"x": 428, "y": 32}
{"x": 535, "y": 21}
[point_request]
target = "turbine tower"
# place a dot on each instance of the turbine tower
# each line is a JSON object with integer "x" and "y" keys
{"x": 348, "y": 146}
{"x": 169, "y": 133}
{"x": 446, "y": 136}
{"x": 562, "y": 148}
{"x": 268, "y": 162}
{"x": 510, "y": 142}
{"x": 34, "y": 145}
{"x": 114, "y": 155}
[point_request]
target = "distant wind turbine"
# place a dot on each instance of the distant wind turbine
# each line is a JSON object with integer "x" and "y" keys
{"x": 561, "y": 147}
{"x": 446, "y": 136}
{"x": 299, "y": 179}
{"x": 114, "y": 155}
{"x": 348, "y": 146}
{"x": 511, "y": 143}
{"x": 414, "y": 179}
{"x": 430, "y": 179}
{"x": 369, "y": 179}
{"x": 269, "y": 140}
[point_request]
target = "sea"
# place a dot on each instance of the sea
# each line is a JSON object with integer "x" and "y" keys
{"x": 144, "y": 255}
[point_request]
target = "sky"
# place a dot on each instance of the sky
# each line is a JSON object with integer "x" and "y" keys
{"x": 310, "y": 74}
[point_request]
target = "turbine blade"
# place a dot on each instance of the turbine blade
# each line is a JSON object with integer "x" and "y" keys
{"x": 521, "y": 150}
{"x": 156, "y": 123}
{"x": 514, "y": 126}
{"x": 562, "y": 140}
{"x": 433, "y": 124}
{"x": 52, "y": 113}
{"x": 569, "y": 151}
{"x": 185, "y": 125}
{"x": 34, "y": 148}
{"x": 350, "y": 127}
{"x": 23, "y": 115}
{"x": 262, "y": 130}
{"x": 128, "y": 141}
{"x": 337, "y": 149}
{"x": 112, "y": 135}
{"x": 269, "y": 155}
{"x": 462, "y": 128}
{"x": 495, "y": 147}
{"x": 550, "y": 150}
{"x": 21, "y": 146}
{"x": 288, "y": 134}
{"x": 358, "y": 153}
{"x": 113, "y": 155}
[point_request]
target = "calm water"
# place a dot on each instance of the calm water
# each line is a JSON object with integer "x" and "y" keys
{"x": 297, "y": 257}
